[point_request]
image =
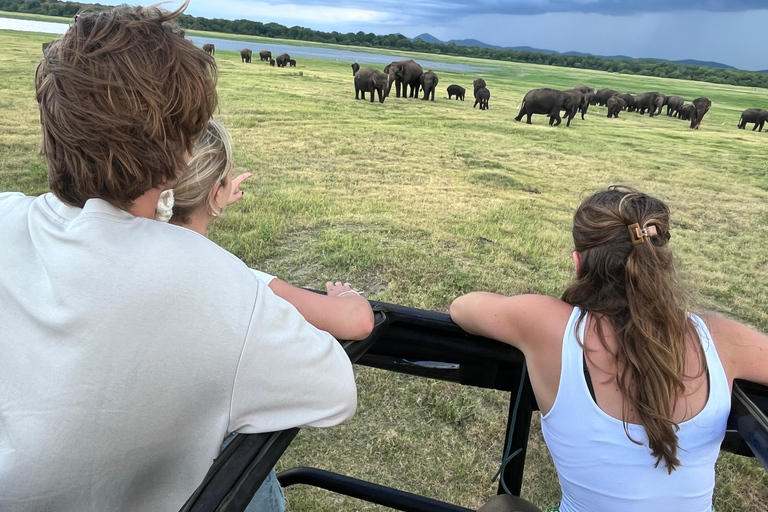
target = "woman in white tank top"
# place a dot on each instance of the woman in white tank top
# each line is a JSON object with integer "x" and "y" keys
{"x": 634, "y": 390}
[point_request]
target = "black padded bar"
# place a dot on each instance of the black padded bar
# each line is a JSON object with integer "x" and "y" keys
{"x": 367, "y": 491}
{"x": 751, "y": 422}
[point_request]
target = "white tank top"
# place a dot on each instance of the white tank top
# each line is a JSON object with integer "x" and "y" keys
{"x": 601, "y": 470}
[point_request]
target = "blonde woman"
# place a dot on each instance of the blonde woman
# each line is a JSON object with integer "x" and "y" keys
{"x": 199, "y": 197}
{"x": 634, "y": 390}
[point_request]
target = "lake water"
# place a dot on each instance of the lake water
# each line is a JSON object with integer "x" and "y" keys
{"x": 296, "y": 52}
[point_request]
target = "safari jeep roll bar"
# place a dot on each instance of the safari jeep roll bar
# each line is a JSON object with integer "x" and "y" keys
{"x": 429, "y": 344}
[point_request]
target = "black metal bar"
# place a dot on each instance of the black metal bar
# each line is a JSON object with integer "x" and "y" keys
{"x": 367, "y": 491}
{"x": 519, "y": 426}
{"x": 752, "y": 424}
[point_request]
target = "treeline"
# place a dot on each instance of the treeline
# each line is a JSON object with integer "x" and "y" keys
{"x": 645, "y": 67}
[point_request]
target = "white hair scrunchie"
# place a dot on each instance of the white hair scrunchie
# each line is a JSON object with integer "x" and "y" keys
{"x": 164, "y": 208}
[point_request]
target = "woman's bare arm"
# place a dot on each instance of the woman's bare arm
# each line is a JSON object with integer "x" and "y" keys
{"x": 743, "y": 351}
{"x": 345, "y": 317}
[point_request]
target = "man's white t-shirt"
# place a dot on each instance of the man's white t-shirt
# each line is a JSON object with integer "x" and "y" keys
{"x": 130, "y": 349}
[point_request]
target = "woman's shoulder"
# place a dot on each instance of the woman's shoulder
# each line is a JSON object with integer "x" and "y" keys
{"x": 742, "y": 350}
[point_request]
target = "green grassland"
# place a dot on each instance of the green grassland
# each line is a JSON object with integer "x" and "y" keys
{"x": 416, "y": 202}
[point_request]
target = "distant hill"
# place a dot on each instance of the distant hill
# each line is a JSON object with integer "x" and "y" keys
{"x": 428, "y": 38}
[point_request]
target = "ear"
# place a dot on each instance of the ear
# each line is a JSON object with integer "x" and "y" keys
{"x": 218, "y": 196}
{"x": 577, "y": 263}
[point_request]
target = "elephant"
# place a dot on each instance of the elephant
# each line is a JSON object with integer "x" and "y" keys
{"x": 701, "y": 107}
{"x": 659, "y": 103}
{"x": 482, "y": 96}
{"x": 584, "y": 88}
{"x": 282, "y": 60}
{"x": 370, "y": 80}
{"x": 601, "y": 96}
{"x": 685, "y": 112}
{"x": 456, "y": 90}
{"x": 645, "y": 102}
{"x": 615, "y": 105}
{"x": 753, "y": 115}
{"x": 245, "y": 55}
{"x": 404, "y": 73}
{"x": 478, "y": 84}
{"x": 585, "y": 103}
{"x": 265, "y": 55}
{"x": 429, "y": 81}
{"x": 628, "y": 100}
{"x": 674, "y": 103}
{"x": 292, "y": 63}
{"x": 355, "y": 68}
{"x": 209, "y": 49}
{"x": 545, "y": 101}
{"x": 576, "y": 106}
{"x": 271, "y": 62}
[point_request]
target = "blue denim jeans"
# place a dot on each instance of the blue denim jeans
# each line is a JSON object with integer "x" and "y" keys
{"x": 269, "y": 497}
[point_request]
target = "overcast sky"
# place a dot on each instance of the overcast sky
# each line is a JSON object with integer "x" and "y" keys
{"x": 728, "y": 31}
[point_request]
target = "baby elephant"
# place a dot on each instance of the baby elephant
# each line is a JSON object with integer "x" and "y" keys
{"x": 482, "y": 96}
{"x": 271, "y": 62}
{"x": 292, "y": 63}
{"x": 370, "y": 80}
{"x": 456, "y": 90}
{"x": 615, "y": 105}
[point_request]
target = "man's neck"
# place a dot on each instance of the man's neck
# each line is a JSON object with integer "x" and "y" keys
{"x": 145, "y": 204}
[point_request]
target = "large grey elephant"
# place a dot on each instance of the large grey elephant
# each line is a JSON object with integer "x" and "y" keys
{"x": 685, "y": 112}
{"x": 246, "y": 54}
{"x": 584, "y": 88}
{"x": 646, "y": 102}
{"x": 701, "y": 107}
{"x": 355, "y": 68}
{"x": 282, "y": 60}
{"x": 615, "y": 105}
{"x": 545, "y": 101}
{"x": 628, "y": 100}
{"x": 579, "y": 98}
{"x": 428, "y": 82}
{"x": 209, "y": 49}
{"x": 456, "y": 90}
{"x": 404, "y": 73}
{"x": 753, "y": 115}
{"x": 265, "y": 55}
{"x": 370, "y": 80}
{"x": 674, "y": 104}
{"x": 478, "y": 84}
{"x": 482, "y": 95}
{"x": 601, "y": 96}
{"x": 659, "y": 102}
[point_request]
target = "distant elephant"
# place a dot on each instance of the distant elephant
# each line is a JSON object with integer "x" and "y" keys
{"x": 404, "y": 73}
{"x": 615, "y": 105}
{"x": 456, "y": 90}
{"x": 575, "y": 106}
{"x": 645, "y": 102}
{"x": 685, "y": 112}
{"x": 674, "y": 103}
{"x": 628, "y": 100}
{"x": 584, "y": 88}
{"x": 478, "y": 84}
{"x": 659, "y": 102}
{"x": 355, "y": 68}
{"x": 601, "y": 96}
{"x": 585, "y": 103}
{"x": 265, "y": 55}
{"x": 370, "y": 80}
{"x": 209, "y": 49}
{"x": 753, "y": 115}
{"x": 482, "y": 95}
{"x": 282, "y": 60}
{"x": 245, "y": 55}
{"x": 271, "y": 62}
{"x": 428, "y": 82}
{"x": 545, "y": 101}
{"x": 292, "y": 63}
{"x": 701, "y": 107}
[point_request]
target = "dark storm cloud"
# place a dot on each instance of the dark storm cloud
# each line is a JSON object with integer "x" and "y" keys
{"x": 442, "y": 9}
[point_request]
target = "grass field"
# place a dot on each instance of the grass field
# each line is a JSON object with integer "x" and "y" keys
{"x": 417, "y": 202}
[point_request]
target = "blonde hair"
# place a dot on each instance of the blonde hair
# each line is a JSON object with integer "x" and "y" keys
{"x": 210, "y": 164}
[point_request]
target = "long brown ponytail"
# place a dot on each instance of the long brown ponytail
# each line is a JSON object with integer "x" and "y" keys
{"x": 627, "y": 278}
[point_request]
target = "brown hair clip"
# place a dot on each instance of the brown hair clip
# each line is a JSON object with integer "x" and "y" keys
{"x": 638, "y": 234}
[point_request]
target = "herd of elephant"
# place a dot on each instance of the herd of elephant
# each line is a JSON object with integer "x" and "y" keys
{"x": 551, "y": 102}
{"x": 409, "y": 73}
{"x": 264, "y": 55}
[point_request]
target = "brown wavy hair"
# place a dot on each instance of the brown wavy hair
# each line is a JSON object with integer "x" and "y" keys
{"x": 634, "y": 288}
{"x": 123, "y": 97}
